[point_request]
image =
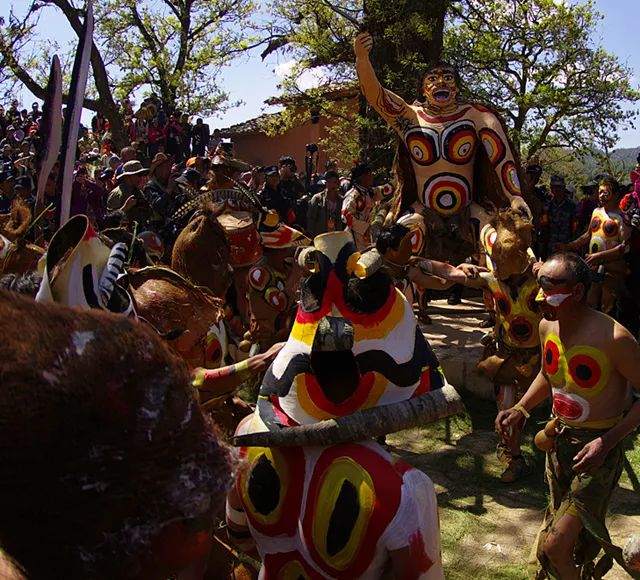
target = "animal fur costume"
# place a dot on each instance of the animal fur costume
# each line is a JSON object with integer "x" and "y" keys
{"x": 320, "y": 498}
{"x": 108, "y": 469}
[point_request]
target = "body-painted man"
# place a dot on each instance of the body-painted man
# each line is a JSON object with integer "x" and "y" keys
{"x": 587, "y": 361}
{"x": 606, "y": 237}
{"x": 323, "y": 504}
{"x": 359, "y": 203}
{"x": 442, "y": 136}
{"x": 410, "y": 272}
{"x": 512, "y": 352}
{"x": 271, "y": 288}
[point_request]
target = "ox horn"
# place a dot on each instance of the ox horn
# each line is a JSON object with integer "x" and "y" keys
{"x": 308, "y": 260}
{"x": 362, "y": 425}
{"x": 368, "y": 263}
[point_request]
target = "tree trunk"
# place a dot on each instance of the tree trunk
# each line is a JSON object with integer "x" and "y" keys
{"x": 395, "y": 71}
{"x": 106, "y": 104}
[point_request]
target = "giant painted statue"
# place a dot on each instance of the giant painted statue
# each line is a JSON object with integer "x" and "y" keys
{"x": 442, "y": 136}
{"x": 319, "y": 497}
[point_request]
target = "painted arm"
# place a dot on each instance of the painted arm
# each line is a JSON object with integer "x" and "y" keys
{"x": 223, "y": 381}
{"x": 575, "y": 245}
{"x": 496, "y": 144}
{"x": 390, "y": 106}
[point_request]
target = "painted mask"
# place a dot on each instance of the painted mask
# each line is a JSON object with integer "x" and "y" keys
{"x": 277, "y": 235}
{"x": 440, "y": 88}
{"x": 79, "y": 269}
{"x": 509, "y": 248}
{"x": 355, "y": 343}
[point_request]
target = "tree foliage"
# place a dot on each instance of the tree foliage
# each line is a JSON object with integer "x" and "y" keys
{"x": 408, "y": 34}
{"x": 536, "y": 61}
{"x": 174, "y": 48}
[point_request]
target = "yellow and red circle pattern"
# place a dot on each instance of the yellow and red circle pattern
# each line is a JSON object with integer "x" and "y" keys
{"x": 459, "y": 143}
{"x": 446, "y": 193}
{"x": 493, "y": 145}
{"x": 510, "y": 178}
{"x": 423, "y": 145}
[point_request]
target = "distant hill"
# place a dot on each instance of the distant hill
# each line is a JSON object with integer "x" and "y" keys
{"x": 623, "y": 161}
{"x": 627, "y": 156}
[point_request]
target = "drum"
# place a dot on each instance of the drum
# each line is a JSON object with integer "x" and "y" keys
{"x": 243, "y": 235}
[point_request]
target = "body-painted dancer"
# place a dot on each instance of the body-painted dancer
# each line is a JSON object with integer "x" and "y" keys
{"x": 587, "y": 360}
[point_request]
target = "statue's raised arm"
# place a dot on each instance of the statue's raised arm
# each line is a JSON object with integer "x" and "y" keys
{"x": 392, "y": 108}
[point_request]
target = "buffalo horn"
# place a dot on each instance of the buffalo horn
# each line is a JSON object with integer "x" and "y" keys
{"x": 362, "y": 425}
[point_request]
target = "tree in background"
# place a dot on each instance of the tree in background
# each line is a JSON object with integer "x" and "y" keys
{"x": 408, "y": 35}
{"x": 536, "y": 61}
{"x": 173, "y": 48}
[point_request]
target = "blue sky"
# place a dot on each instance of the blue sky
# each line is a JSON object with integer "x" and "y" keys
{"x": 253, "y": 81}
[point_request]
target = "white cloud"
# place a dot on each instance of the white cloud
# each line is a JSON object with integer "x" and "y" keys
{"x": 309, "y": 79}
{"x": 284, "y": 68}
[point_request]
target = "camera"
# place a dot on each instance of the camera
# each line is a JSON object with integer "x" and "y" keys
{"x": 311, "y": 148}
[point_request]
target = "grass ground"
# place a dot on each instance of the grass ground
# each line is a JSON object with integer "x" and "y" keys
{"x": 488, "y": 527}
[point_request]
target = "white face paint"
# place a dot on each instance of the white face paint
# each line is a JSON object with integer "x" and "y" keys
{"x": 570, "y": 406}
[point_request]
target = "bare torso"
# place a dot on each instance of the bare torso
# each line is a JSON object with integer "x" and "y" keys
{"x": 586, "y": 385}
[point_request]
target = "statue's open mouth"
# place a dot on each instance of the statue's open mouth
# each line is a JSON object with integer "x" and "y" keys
{"x": 332, "y": 360}
{"x": 441, "y": 95}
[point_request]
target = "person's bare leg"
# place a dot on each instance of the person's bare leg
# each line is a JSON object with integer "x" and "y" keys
{"x": 505, "y": 400}
{"x": 559, "y": 546}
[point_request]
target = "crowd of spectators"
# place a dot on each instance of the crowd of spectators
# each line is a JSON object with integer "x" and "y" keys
{"x": 169, "y": 160}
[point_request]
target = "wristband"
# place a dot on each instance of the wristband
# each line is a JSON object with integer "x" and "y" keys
{"x": 520, "y": 407}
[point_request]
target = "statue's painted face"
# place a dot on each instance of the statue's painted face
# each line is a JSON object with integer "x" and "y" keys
{"x": 440, "y": 88}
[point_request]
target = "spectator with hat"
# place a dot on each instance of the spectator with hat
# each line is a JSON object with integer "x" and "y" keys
{"x": 558, "y": 223}
{"x": 292, "y": 190}
{"x": 127, "y": 196}
{"x": 163, "y": 194}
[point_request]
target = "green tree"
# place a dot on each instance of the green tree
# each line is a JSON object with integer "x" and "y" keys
{"x": 26, "y": 59}
{"x": 174, "y": 48}
{"x": 537, "y": 62}
{"x": 408, "y": 35}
